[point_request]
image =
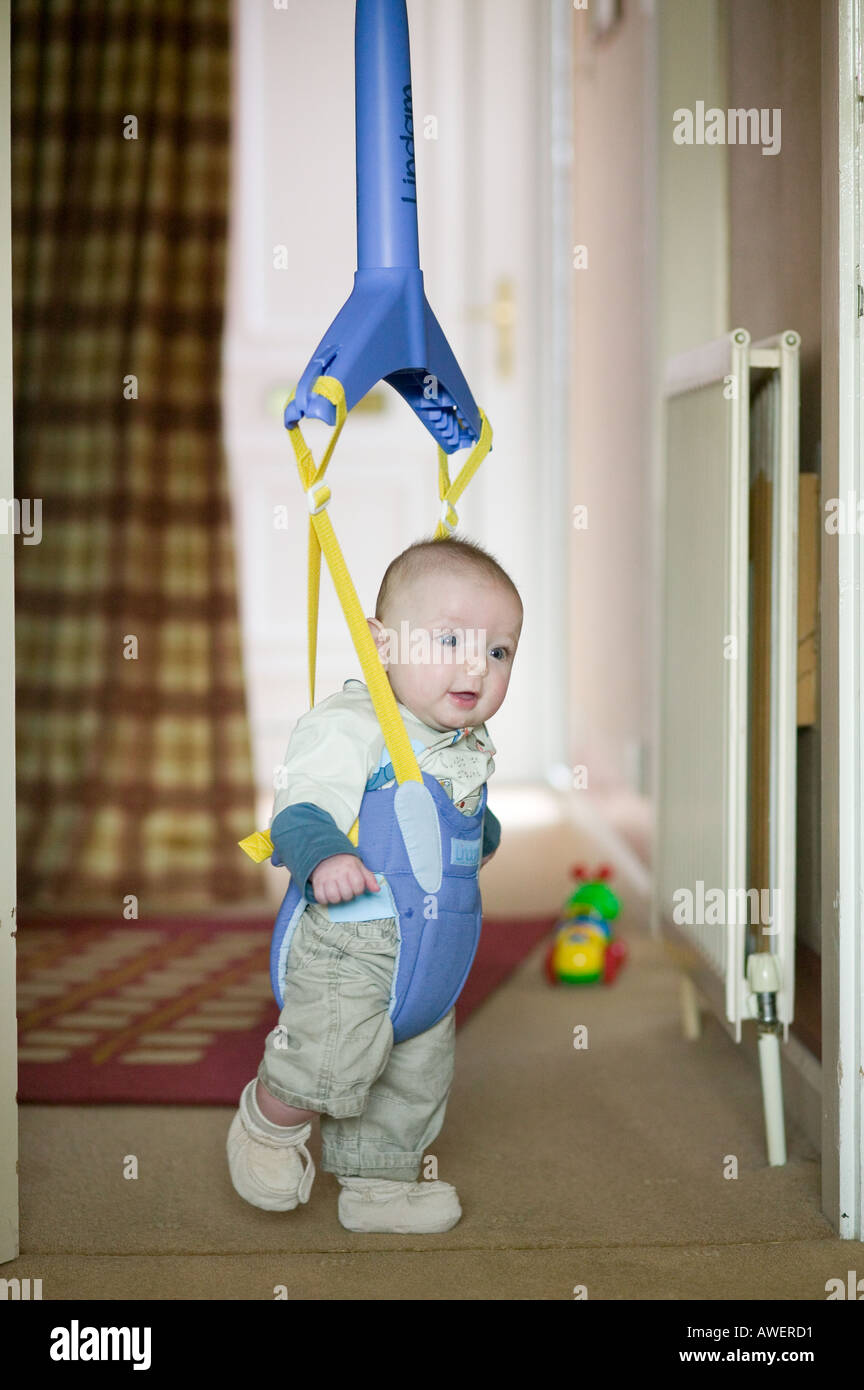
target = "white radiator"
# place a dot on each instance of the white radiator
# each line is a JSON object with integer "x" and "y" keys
{"x": 731, "y": 414}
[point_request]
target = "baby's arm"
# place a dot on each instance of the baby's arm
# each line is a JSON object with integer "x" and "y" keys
{"x": 319, "y": 856}
{"x": 321, "y": 786}
{"x": 491, "y": 836}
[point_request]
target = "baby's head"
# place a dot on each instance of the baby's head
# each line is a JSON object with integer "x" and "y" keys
{"x": 447, "y": 624}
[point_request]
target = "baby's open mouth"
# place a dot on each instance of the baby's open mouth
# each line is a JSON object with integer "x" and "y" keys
{"x": 464, "y": 697}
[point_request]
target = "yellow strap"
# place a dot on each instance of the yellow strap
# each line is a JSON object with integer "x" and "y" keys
{"x": 322, "y": 537}
{"x": 451, "y": 492}
{"x": 259, "y": 846}
{"x": 317, "y": 493}
{"x": 395, "y": 735}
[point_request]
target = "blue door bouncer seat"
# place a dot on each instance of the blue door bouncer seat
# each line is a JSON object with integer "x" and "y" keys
{"x": 429, "y": 883}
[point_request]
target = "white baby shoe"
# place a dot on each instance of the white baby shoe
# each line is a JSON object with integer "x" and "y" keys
{"x": 266, "y": 1160}
{"x": 405, "y": 1208}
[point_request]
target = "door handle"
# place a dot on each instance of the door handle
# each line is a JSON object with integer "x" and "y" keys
{"x": 502, "y": 314}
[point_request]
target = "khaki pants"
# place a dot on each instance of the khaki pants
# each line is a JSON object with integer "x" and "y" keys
{"x": 332, "y": 1051}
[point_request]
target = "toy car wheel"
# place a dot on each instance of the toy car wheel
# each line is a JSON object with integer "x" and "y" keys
{"x": 616, "y": 955}
{"x": 548, "y": 967}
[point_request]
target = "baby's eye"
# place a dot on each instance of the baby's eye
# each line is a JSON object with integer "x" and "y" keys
{"x": 502, "y": 650}
{"x": 449, "y": 639}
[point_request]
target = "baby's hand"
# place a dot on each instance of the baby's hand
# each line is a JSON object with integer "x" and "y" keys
{"x": 342, "y": 877}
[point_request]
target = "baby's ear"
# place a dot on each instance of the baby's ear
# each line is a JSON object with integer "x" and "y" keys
{"x": 379, "y": 636}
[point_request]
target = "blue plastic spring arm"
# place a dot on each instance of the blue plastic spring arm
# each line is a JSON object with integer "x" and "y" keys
{"x": 386, "y": 330}
{"x": 386, "y": 168}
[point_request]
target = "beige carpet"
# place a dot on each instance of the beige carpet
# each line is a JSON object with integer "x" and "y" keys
{"x": 600, "y": 1167}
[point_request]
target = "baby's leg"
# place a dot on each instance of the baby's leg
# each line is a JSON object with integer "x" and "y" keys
{"x": 278, "y": 1112}
{"x": 377, "y": 1156}
{"x": 269, "y": 1162}
{"x": 334, "y": 1036}
{"x": 404, "y": 1111}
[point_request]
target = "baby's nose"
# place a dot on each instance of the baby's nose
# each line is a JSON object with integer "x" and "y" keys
{"x": 475, "y": 664}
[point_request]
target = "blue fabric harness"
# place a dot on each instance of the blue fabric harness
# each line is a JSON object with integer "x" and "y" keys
{"x": 426, "y": 856}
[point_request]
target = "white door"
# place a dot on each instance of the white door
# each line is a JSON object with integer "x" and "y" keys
{"x": 479, "y": 71}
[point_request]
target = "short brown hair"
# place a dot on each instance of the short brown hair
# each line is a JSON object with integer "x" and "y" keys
{"x": 427, "y": 555}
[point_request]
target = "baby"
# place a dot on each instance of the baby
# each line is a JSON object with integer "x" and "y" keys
{"x": 333, "y": 1052}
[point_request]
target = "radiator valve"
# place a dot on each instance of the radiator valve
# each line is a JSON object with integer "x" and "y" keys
{"x": 763, "y": 977}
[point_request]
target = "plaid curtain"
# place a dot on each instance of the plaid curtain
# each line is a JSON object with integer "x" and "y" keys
{"x": 134, "y": 770}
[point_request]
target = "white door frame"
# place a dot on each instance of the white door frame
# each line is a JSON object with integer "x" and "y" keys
{"x": 842, "y": 627}
{"x": 8, "y": 1022}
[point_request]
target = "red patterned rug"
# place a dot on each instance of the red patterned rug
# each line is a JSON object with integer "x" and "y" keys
{"x": 175, "y": 1012}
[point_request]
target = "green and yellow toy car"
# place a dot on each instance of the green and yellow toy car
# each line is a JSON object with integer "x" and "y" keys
{"x": 584, "y": 949}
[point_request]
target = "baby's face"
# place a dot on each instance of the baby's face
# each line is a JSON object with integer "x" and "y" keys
{"x": 448, "y": 647}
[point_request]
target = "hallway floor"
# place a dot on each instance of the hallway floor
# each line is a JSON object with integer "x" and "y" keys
{"x": 601, "y": 1167}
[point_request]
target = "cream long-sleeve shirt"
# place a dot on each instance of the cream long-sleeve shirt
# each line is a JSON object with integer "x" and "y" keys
{"x": 337, "y": 746}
